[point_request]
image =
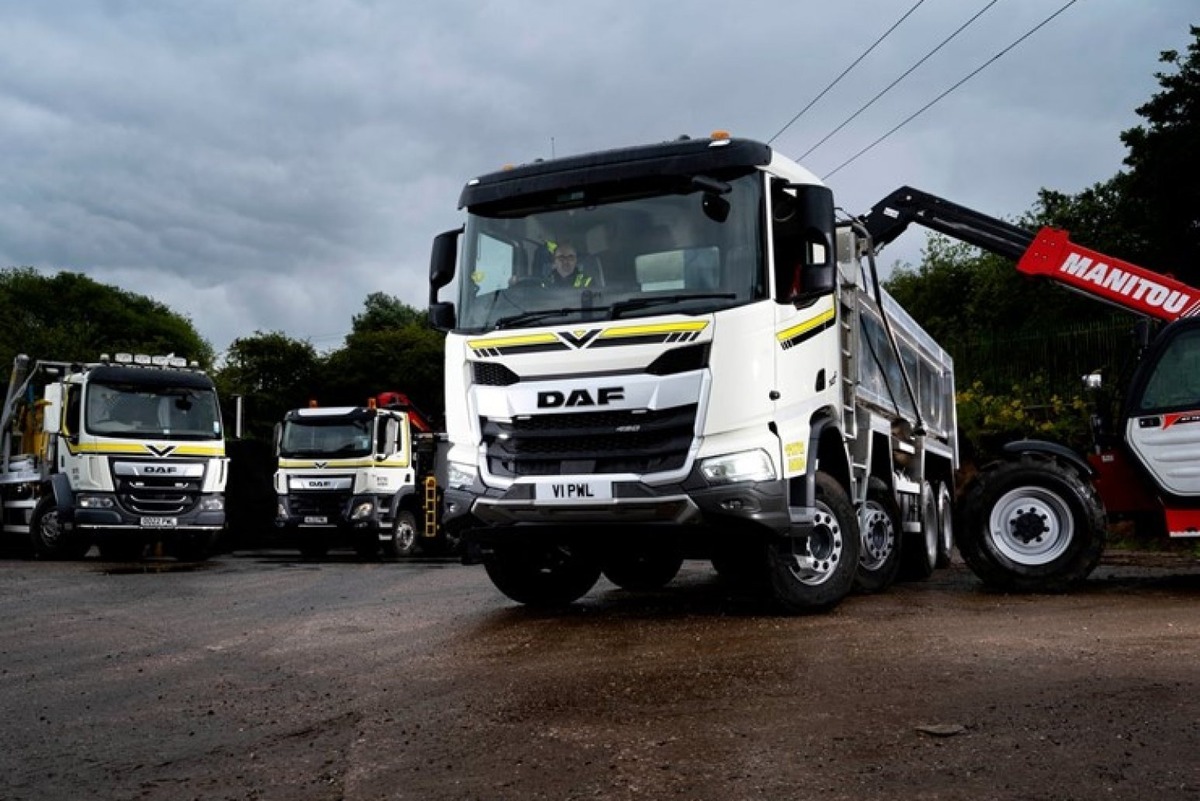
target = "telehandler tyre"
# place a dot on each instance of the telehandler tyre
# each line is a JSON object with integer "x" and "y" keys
{"x": 1032, "y": 525}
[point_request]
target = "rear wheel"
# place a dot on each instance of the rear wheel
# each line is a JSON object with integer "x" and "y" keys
{"x": 49, "y": 538}
{"x": 121, "y": 547}
{"x": 1031, "y": 526}
{"x": 814, "y": 573}
{"x": 313, "y": 543}
{"x": 543, "y": 576}
{"x": 945, "y": 521}
{"x": 920, "y": 548}
{"x": 879, "y": 524}
{"x": 646, "y": 569}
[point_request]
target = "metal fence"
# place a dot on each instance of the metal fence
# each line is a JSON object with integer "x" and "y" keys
{"x": 1056, "y": 357}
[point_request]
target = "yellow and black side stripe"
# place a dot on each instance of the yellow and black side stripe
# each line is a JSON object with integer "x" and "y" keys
{"x": 617, "y": 336}
{"x": 793, "y": 336}
{"x": 508, "y": 346}
{"x": 661, "y": 333}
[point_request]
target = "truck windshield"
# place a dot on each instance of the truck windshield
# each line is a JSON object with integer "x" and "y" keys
{"x": 596, "y": 254}
{"x": 316, "y": 438}
{"x": 137, "y": 411}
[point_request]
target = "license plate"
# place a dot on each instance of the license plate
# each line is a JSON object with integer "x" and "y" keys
{"x": 574, "y": 491}
{"x": 159, "y": 522}
{"x": 316, "y": 520}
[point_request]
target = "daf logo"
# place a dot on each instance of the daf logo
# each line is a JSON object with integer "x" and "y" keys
{"x": 160, "y": 470}
{"x": 320, "y": 484}
{"x": 554, "y": 399}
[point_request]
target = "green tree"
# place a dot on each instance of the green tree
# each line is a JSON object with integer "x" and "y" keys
{"x": 272, "y": 373}
{"x": 70, "y": 317}
{"x": 1161, "y": 190}
{"x": 383, "y": 312}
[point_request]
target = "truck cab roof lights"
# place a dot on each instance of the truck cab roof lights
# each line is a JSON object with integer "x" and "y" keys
{"x": 719, "y": 138}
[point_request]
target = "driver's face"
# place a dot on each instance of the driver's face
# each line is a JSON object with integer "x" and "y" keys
{"x": 564, "y": 260}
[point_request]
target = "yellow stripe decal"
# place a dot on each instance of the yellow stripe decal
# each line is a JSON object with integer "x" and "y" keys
{"x": 504, "y": 342}
{"x": 138, "y": 449}
{"x": 657, "y": 328}
{"x": 821, "y": 319}
{"x": 338, "y": 464}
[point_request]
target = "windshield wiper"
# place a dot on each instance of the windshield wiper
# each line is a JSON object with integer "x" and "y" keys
{"x": 617, "y": 309}
{"x": 539, "y": 314}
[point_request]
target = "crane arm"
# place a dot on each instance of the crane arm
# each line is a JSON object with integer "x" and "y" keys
{"x": 1048, "y": 254}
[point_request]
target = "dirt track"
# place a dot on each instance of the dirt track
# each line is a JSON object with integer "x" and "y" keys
{"x": 260, "y": 677}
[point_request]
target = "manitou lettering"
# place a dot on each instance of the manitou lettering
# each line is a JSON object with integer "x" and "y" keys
{"x": 1125, "y": 283}
{"x": 554, "y": 399}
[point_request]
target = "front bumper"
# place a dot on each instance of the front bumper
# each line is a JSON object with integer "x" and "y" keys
{"x": 691, "y": 503}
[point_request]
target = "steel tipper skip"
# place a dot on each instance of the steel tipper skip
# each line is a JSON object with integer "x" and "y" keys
{"x": 367, "y": 475}
{"x": 719, "y": 377}
{"x": 121, "y": 453}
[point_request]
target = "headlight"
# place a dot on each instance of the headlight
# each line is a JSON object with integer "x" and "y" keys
{"x": 212, "y": 503}
{"x": 744, "y": 466}
{"x": 460, "y": 476}
{"x": 95, "y": 501}
{"x": 362, "y": 510}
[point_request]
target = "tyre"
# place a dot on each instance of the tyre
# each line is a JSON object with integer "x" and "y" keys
{"x": 919, "y": 551}
{"x": 192, "y": 547}
{"x": 366, "y": 544}
{"x": 879, "y": 552}
{"x": 1032, "y": 525}
{"x": 542, "y": 576}
{"x": 815, "y": 573}
{"x": 313, "y": 543}
{"x": 404, "y": 541}
{"x": 945, "y": 521}
{"x": 642, "y": 570}
{"x": 48, "y": 537}
{"x": 121, "y": 547}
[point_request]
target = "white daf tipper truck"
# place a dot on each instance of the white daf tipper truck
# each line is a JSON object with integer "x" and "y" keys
{"x": 123, "y": 453}
{"x": 713, "y": 373}
{"x": 366, "y": 475}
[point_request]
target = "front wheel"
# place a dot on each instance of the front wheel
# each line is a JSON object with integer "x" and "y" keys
{"x": 1031, "y": 526}
{"x": 547, "y": 576}
{"x": 49, "y": 538}
{"x": 404, "y": 541}
{"x": 814, "y": 573}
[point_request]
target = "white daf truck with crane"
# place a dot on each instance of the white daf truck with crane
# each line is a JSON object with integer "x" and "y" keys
{"x": 367, "y": 475}
{"x": 722, "y": 379}
{"x": 1036, "y": 519}
{"x": 122, "y": 453}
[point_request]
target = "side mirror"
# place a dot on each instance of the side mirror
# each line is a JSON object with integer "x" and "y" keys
{"x": 278, "y": 437}
{"x": 442, "y": 263}
{"x": 442, "y": 316}
{"x": 815, "y": 220}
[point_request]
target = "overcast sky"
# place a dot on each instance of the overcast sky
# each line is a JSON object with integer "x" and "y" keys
{"x": 264, "y": 165}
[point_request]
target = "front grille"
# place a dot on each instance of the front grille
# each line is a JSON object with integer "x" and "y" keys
{"x": 590, "y": 442}
{"x": 158, "y": 496}
{"x": 318, "y": 504}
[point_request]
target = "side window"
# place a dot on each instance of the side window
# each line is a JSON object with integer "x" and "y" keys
{"x": 1175, "y": 380}
{"x": 71, "y": 417}
{"x": 493, "y": 268}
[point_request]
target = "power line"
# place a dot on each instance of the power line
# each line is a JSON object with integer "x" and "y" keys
{"x": 906, "y": 73}
{"x": 931, "y": 103}
{"x": 865, "y": 53}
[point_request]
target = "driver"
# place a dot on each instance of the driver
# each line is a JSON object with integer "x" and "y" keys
{"x": 567, "y": 272}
